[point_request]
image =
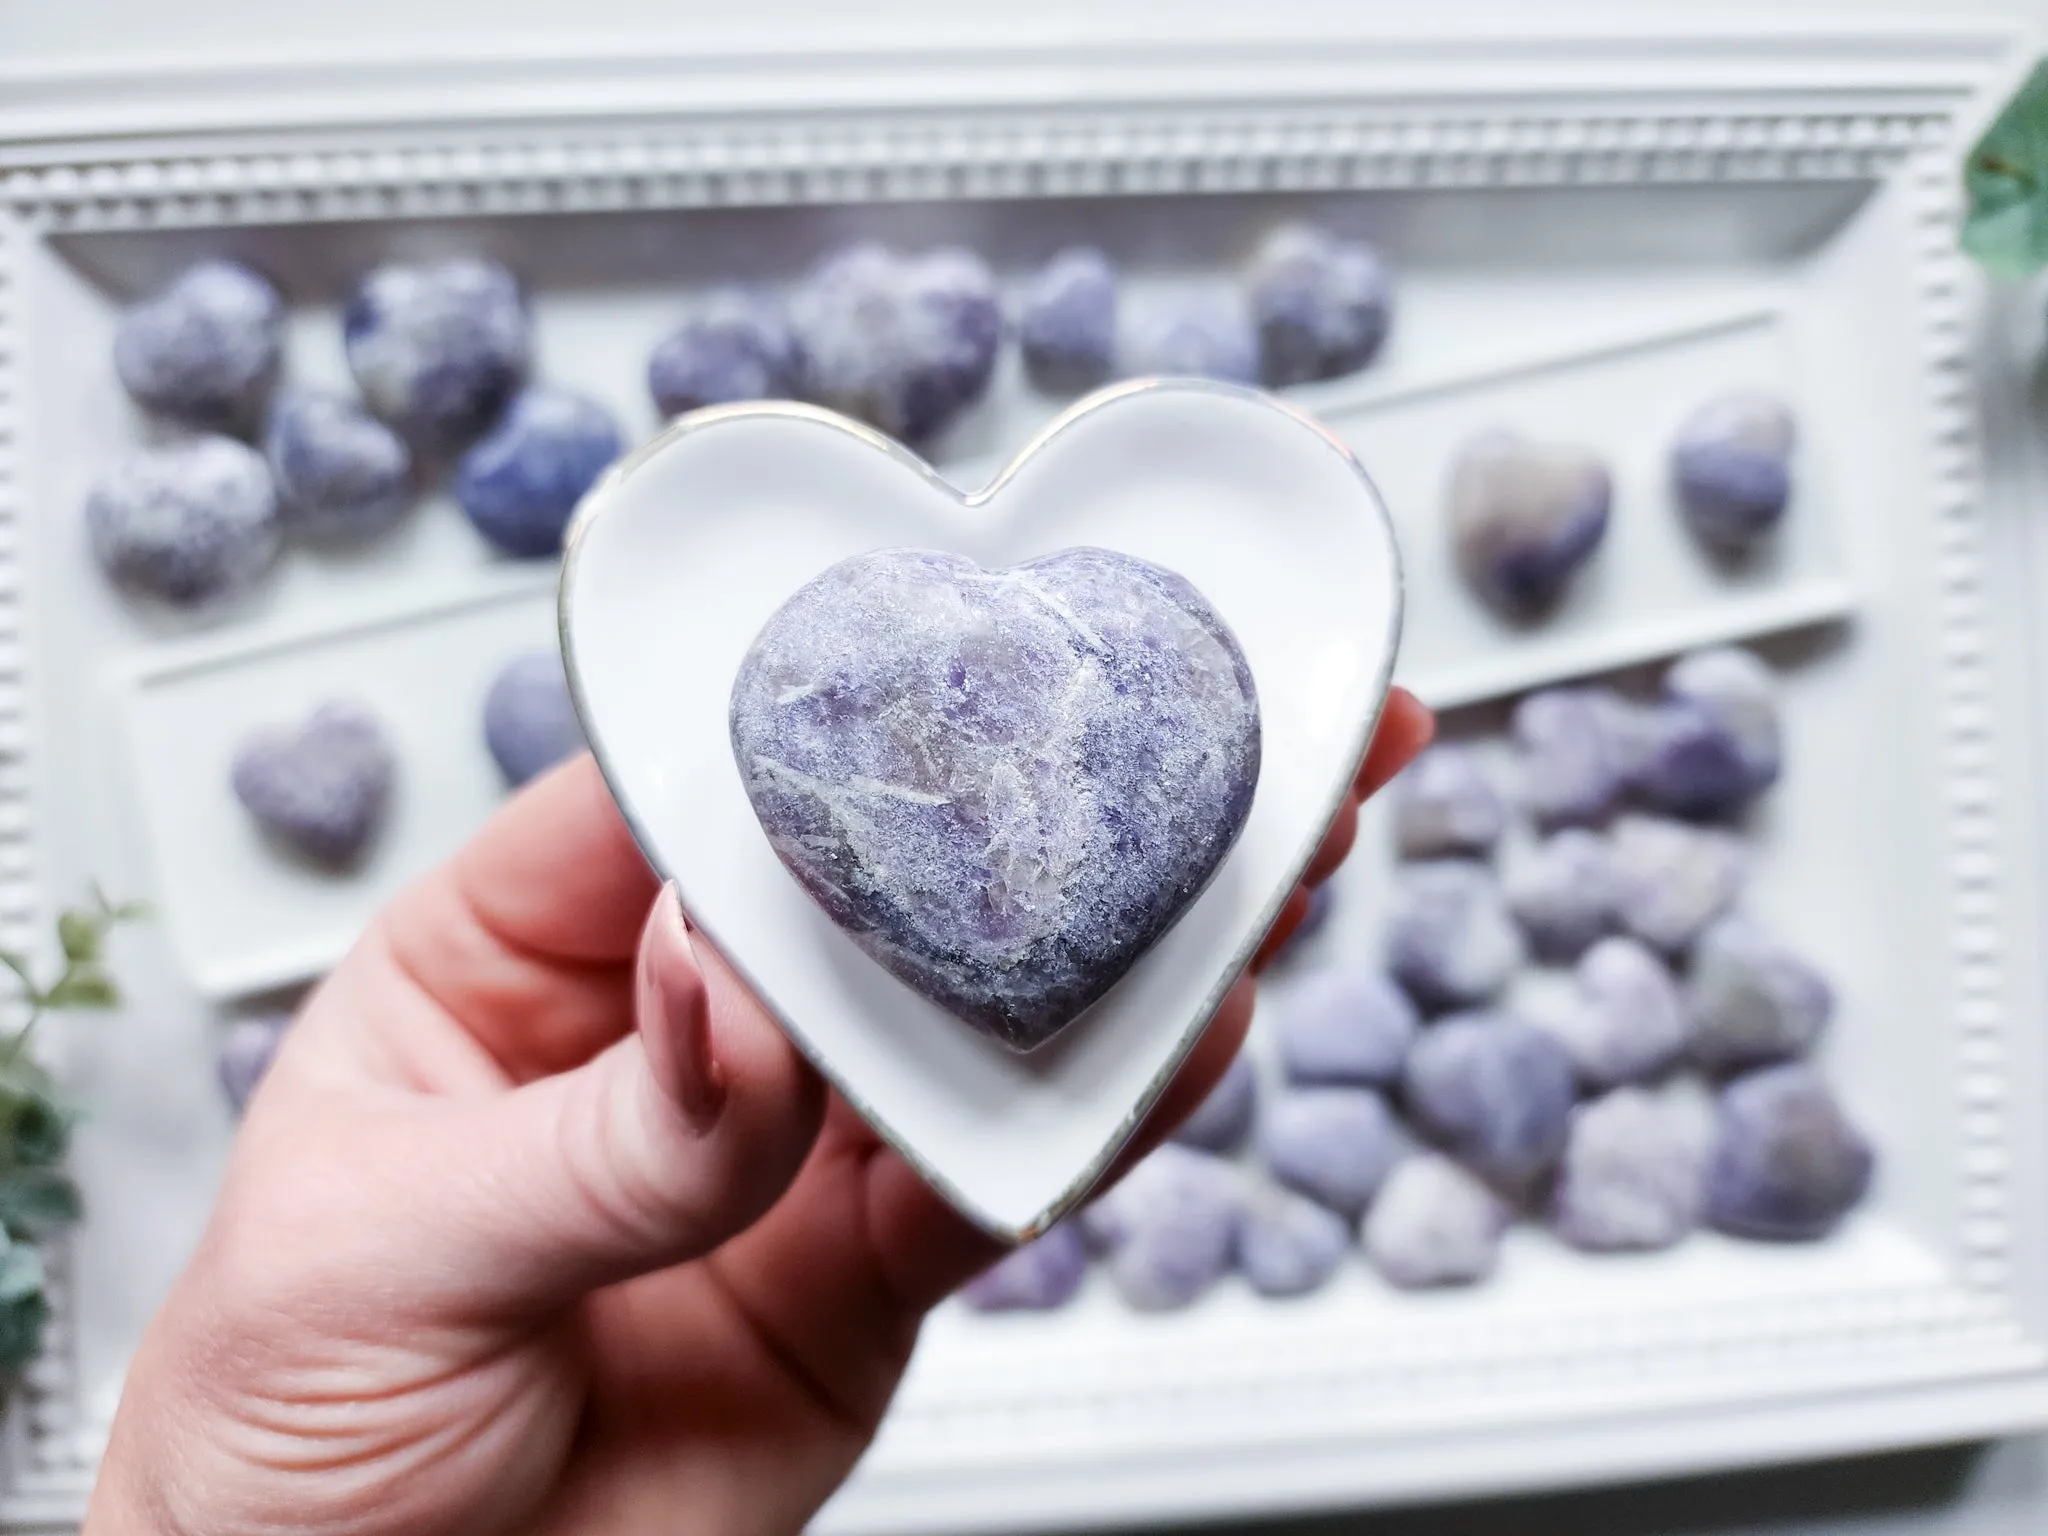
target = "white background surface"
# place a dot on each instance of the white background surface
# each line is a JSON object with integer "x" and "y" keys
{"x": 2002, "y": 1489}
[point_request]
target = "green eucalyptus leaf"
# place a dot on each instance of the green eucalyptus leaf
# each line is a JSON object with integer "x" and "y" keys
{"x": 22, "y": 1076}
{"x": 21, "y": 1271}
{"x": 83, "y": 987}
{"x": 38, "y": 1130}
{"x": 36, "y": 1202}
{"x": 79, "y": 934}
{"x": 21, "y": 1329}
{"x": 2006, "y": 177}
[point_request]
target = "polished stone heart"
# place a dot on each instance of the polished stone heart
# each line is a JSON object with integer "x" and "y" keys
{"x": 1004, "y": 785}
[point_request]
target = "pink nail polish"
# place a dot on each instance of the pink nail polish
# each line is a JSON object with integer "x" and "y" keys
{"x": 675, "y": 1015}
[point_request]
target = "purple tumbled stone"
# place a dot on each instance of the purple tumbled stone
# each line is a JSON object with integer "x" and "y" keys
{"x": 1634, "y": 1171}
{"x": 1445, "y": 805}
{"x": 1689, "y": 763}
{"x": 1672, "y": 879}
{"x": 1066, "y": 322}
{"x": 438, "y": 348}
{"x": 1323, "y": 304}
{"x": 1223, "y": 1119}
{"x": 1753, "y": 1000}
{"x": 191, "y": 524}
{"x": 734, "y": 345}
{"x": 530, "y": 720}
{"x": 204, "y": 351}
{"x": 246, "y": 1053}
{"x": 1449, "y": 938}
{"x": 1568, "y": 758}
{"x": 1562, "y": 892}
{"x": 1735, "y": 690}
{"x": 1494, "y": 1091}
{"x": 1287, "y": 1245}
{"x": 341, "y": 474}
{"x": 1334, "y": 1145}
{"x": 1038, "y": 1277}
{"x": 905, "y": 343}
{"x": 1004, "y": 785}
{"x": 1626, "y": 1021}
{"x": 1344, "y": 1024}
{"x": 320, "y": 789}
{"x": 1524, "y": 517}
{"x": 1434, "y": 1224}
{"x": 1787, "y": 1163}
{"x": 1169, "y": 1230}
{"x": 1731, "y": 464}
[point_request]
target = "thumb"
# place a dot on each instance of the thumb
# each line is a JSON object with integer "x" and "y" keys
{"x": 658, "y": 1149}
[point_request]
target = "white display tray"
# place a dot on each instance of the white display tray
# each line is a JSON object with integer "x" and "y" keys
{"x": 1592, "y": 235}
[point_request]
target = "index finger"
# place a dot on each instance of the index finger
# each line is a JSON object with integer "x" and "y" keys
{"x": 526, "y": 937}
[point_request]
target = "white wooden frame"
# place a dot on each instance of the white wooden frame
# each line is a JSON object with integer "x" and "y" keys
{"x": 1530, "y": 1402}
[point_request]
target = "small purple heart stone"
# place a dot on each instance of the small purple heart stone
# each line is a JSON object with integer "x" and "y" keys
{"x": 1434, "y": 1224}
{"x": 246, "y": 1053}
{"x": 1445, "y": 805}
{"x": 530, "y": 721}
{"x": 1221, "y": 1121}
{"x": 1628, "y": 1022}
{"x": 1323, "y": 304}
{"x": 1004, "y": 785}
{"x": 1736, "y": 691}
{"x": 438, "y": 348}
{"x": 1672, "y": 879}
{"x": 1495, "y": 1092}
{"x": 1066, "y": 322}
{"x": 735, "y": 345}
{"x": 520, "y": 483}
{"x": 342, "y": 475}
{"x": 904, "y": 343}
{"x": 1449, "y": 939}
{"x": 1753, "y": 1000}
{"x": 189, "y": 525}
{"x": 1562, "y": 891}
{"x": 1287, "y": 1245}
{"x": 1169, "y": 1230}
{"x": 1787, "y": 1163}
{"x": 1634, "y": 1171}
{"x": 1344, "y": 1024}
{"x": 320, "y": 789}
{"x": 205, "y": 350}
{"x": 1334, "y": 1145}
{"x": 1041, "y": 1276}
{"x": 1525, "y": 517}
{"x": 1570, "y": 763}
{"x": 1731, "y": 463}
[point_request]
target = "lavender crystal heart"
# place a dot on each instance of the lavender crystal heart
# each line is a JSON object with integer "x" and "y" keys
{"x": 1004, "y": 785}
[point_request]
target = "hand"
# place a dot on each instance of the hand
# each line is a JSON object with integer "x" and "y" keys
{"x": 539, "y": 1224}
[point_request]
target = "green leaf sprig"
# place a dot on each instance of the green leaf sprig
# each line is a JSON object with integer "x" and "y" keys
{"x": 2006, "y": 178}
{"x": 36, "y": 1196}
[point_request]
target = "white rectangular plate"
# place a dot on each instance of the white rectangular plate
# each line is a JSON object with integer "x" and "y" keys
{"x": 1578, "y": 254}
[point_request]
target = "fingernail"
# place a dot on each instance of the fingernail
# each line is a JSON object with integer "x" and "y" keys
{"x": 675, "y": 1013}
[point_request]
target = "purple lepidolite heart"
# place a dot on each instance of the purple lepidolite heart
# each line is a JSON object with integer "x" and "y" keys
{"x": 1004, "y": 785}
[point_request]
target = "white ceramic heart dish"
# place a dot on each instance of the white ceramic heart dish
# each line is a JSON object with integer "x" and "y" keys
{"x": 680, "y": 555}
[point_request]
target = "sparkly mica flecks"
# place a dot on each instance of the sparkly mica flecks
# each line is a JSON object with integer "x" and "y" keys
{"x": 1004, "y": 785}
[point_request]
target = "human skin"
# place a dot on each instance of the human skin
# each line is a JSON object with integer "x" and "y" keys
{"x": 539, "y": 1224}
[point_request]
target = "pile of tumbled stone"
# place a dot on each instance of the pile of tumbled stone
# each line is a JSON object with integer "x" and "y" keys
{"x": 908, "y": 343}
{"x": 441, "y": 355}
{"x": 1574, "y": 1020}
